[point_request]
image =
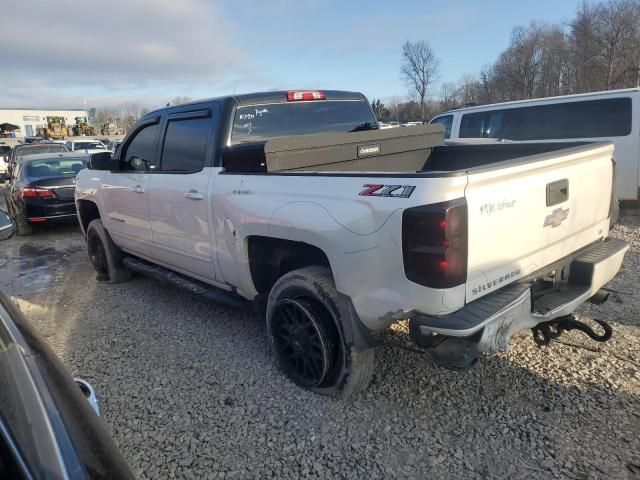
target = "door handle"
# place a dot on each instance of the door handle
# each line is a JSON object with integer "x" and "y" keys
{"x": 557, "y": 192}
{"x": 137, "y": 189}
{"x": 194, "y": 195}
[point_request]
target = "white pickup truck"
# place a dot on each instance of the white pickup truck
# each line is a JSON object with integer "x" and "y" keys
{"x": 295, "y": 200}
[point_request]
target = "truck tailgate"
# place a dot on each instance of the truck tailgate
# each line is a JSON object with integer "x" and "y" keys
{"x": 529, "y": 213}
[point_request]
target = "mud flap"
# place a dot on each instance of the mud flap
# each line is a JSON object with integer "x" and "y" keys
{"x": 455, "y": 353}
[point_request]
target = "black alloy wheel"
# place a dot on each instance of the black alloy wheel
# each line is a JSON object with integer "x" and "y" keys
{"x": 302, "y": 344}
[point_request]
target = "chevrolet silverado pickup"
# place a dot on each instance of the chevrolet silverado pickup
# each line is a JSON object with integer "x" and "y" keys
{"x": 337, "y": 229}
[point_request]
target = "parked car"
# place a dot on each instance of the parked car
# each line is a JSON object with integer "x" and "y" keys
{"x": 297, "y": 201}
{"x": 41, "y": 189}
{"x": 85, "y": 144}
{"x": 5, "y": 152}
{"x": 19, "y": 151}
{"x": 36, "y": 139}
{"x": 49, "y": 427}
{"x": 612, "y": 116}
{"x": 113, "y": 144}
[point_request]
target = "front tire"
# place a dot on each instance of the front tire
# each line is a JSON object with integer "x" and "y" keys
{"x": 303, "y": 323}
{"x": 105, "y": 257}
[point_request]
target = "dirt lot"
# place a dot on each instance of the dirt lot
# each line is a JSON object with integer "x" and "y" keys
{"x": 190, "y": 390}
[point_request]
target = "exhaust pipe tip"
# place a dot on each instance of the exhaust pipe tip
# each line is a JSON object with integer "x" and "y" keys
{"x": 89, "y": 393}
{"x": 600, "y": 297}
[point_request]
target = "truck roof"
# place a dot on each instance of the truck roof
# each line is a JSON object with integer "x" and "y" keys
{"x": 276, "y": 96}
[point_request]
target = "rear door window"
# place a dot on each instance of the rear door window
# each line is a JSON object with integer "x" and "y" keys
{"x": 185, "y": 144}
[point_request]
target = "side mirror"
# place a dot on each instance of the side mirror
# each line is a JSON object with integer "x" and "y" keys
{"x": 100, "y": 161}
{"x": 7, "y": 228}
{"x": 115, "y": 164}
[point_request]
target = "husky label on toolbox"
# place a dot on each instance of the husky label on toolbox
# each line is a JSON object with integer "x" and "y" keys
{"x": 396, "y": 191}
{"x": 367, "y": 150}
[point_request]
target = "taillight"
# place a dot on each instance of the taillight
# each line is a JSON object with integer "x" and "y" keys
{"x": 304, "y": 95}
{"x": 36, "y": 192}
{"x": 434, "y": 244}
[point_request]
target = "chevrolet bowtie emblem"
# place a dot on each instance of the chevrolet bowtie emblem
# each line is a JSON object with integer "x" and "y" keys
{"x": 556, "y": 218}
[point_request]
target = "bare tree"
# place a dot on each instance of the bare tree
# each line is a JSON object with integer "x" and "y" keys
{"x": 179, "y": 100}
{"x": 449, "y": 96}
{"x": 379, "y": 109}
{"x": 583, "y": 49}
{"x": 469, "y": 90}
{"x": 105, "y": 115}
{"x": 394, "y": 108}
{"x": 617, "y": 33}
{"x": 419, "y": 69}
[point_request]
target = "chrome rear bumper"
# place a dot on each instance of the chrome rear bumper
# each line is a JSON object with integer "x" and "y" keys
{"x": 513, "y": 308}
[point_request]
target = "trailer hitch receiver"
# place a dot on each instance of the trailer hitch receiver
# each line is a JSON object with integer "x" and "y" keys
{"x": 544, "y": 332}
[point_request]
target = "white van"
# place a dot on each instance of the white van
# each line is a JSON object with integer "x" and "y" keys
{"x": 600, "y": 116}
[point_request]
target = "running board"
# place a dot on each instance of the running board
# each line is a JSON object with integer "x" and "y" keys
{"x": 196, "y": 287}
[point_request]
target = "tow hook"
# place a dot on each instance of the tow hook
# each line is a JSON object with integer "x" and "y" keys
{"x": 544, "y": 332}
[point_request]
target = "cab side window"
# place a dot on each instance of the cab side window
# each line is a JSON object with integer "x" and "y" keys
{"x": 139, "y": 153}
{"x": 185, "y": 144}
{"x": 447, "y": 121}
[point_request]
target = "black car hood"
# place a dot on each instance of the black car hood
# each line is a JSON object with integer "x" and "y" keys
{"x": 83, "y": 442}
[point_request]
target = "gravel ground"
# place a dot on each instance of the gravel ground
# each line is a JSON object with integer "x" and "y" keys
{"x": 190, "y": 390}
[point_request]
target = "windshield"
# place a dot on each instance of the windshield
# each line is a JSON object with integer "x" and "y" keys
{"x": 41, "y": 148}
{"x": 55, "y": 167}
{"x": 88, "y": 146}
{"x": 259, "y": 122}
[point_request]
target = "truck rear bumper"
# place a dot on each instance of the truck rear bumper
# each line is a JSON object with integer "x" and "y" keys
{"x": 513, "y": 308}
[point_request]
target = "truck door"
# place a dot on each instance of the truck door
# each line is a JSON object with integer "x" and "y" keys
{"x": 178, "y": 193}
{"x": 125, "y": 191}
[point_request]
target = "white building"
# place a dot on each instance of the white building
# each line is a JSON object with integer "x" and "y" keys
{"x": 30, "y": 119}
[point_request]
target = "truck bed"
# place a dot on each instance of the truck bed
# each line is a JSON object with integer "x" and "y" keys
{"x": 401, "y": 150}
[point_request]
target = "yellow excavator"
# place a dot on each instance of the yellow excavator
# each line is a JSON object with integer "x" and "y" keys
{"x": 82, "y": 127}
{"x": 56, "y": 128}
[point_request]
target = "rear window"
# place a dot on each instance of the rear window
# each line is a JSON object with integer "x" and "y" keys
{"x": 43, "y": 148}
{"x": 88, "y": 146}
{"x": 587, "y": 119}
{"x": 54, "y": 167}
{"x": 260, "y": 122}
{"x": 447, "y": 122}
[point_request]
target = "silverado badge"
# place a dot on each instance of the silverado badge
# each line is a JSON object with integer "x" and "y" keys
{"x": 556, "y": 218}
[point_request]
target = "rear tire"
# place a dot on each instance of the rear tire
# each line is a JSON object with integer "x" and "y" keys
{"x": 23, "y": 228}
{"x": 105, "y": 257}
{"x": 303, "y": 323}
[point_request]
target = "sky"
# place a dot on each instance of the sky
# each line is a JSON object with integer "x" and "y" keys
{"x": 62, "y": 53}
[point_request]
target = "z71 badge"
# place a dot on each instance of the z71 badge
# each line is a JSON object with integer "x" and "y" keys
{"x": 395, "y": 191}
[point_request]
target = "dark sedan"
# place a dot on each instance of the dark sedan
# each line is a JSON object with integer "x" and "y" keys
{"x": 41, "y": 189}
